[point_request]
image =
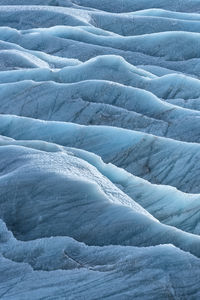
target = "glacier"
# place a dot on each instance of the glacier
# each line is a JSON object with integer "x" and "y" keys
{"x": 99, "y": 149}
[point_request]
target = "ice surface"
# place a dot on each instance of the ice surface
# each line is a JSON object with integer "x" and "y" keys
{"x": 35, "y": 176}
{"x": 99, "y": 149}
{"x": 160, "y": 160}
{"x": 76, "y": 269}
{"x": 107, "y": 103}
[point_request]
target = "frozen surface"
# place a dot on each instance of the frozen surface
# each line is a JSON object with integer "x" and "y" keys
{"x": 76, "y": 269}
{"x": 159, "y": 160}
{"x": 99, "y": 149}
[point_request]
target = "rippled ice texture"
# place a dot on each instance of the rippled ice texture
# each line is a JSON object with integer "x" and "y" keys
{"x": 99, "y": 149}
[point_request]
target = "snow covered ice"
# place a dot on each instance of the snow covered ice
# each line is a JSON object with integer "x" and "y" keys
{"x": 99, "y": 149}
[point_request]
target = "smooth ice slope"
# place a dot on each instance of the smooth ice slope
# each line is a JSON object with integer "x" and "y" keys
{"x": 171, "y": 206}
{"x": 99, "y": 200}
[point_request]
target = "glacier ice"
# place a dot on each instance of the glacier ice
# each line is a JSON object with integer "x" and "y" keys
{"x": 157, "y": 159}
{"x": 99, "y": 149}
{"x": 77, "y": 269}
